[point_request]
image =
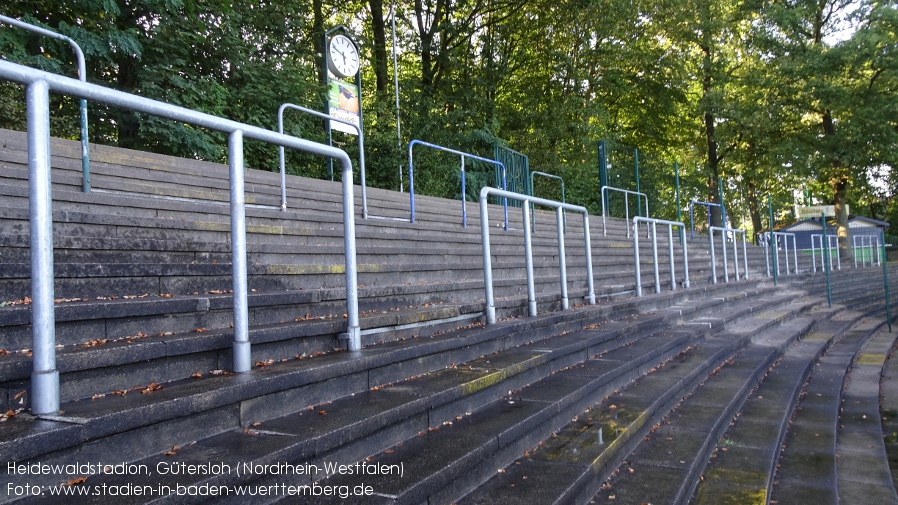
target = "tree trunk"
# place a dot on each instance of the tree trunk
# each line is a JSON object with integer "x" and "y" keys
{"x": 839, "y": 183}
{"x": 378, "y": 27}
{"x": 713, "y": 159}
{"x": 754, "y": 209}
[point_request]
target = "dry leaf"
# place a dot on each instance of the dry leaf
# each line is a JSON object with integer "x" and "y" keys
{"x": 75, "y": 482}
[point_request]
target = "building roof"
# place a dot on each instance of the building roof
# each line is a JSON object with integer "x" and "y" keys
{"x": 868, "y": 221}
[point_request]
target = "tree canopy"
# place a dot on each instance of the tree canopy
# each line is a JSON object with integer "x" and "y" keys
{"x": 757, "y": 97}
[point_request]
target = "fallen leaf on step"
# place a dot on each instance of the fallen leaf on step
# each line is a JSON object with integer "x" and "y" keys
{"x": 75, "y": 482}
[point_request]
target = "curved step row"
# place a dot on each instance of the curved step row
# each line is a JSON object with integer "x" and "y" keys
{"x": 742, "y": 467}
{"x": 807, "y": 468}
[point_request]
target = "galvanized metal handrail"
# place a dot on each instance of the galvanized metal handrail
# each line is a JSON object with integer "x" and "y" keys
{"x": 533, "y": 190}
{"x": 464, "y": 199}
{"x": 82, "y": 75}
{"x": 723, "y": 245}
{"x": 785, "y": 236}
{"x": 626, "y": 192}
{"x": 45, "y": 377}
{"x": 361, "y": 144}
{"x": 653, "y": 223}
{"x": 526, "y": 200}
{"x": 707, "y": 205}
{"x": 831, "y": 239}
{"x": 863, "y": 243}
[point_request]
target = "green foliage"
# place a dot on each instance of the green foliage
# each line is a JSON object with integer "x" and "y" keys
{"x": 757, "y": 93}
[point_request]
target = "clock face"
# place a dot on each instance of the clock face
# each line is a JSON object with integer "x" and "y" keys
{"x": 342, "y": 56}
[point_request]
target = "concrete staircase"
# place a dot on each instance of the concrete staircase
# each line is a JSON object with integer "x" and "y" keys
{"x": 505, "y": 413}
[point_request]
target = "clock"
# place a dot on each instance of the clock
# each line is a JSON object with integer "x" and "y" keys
{"x": 342, "y": 56}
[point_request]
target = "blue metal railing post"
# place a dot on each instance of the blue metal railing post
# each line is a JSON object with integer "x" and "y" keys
{"x": 82, "y": 106}
{"x": 707, "y": 205}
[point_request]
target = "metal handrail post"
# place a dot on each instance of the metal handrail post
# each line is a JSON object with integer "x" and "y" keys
{"x": 885, "y": 278}
{"x": 670, "y": 251}
{"x": 786, "y": 252}
{"x": 353, "y": 335}
{"x": 723, "y": 246}
{"x": 655, "y": 256}
{"x": 528, "y": 261}
{"x": 838, "y": 253}
{"x": 636, "y": 261}
{"x": 487, "y": 262}
{"x": 735, "y": 257}
{"x": 627, "y": 213}
{"x": 826, "y": 265}
{"x": 82, "y": 105}
{"x": 361, "y": 143}
{"x": 713, "y": 256}
{"x": 562, "y": 261}
{"x": 878, "y": 257}
{"x": 814, "y": 251}
{"x": 464, "y": 195}
{"x": 526, "y": 200}
{"x": 795, "y": 253}
{"x": 44, "y": 375}
{"x": 745, "y": 254}
{"x": 591, "y": 295}
{"x": 692, "y": 219}
{"x": 241, "y": 348}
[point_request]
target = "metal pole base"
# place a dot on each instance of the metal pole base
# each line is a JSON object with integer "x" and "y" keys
{"x": 242, "y": 359}
{"x": 353, "y": 338}
{"x": 45, "y": 392}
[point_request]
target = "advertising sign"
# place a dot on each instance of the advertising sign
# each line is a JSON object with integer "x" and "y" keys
{"x": 343, "y": 103}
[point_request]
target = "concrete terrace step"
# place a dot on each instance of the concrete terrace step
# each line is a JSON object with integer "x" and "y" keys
{"x": 212, "y": 402}
{"x": 889, "y": 411}
{"x": 862, "y": 466}
{"x": 807, "y": 466}
{"x": 742, "y": 466}
{"x": 570, "y": 467}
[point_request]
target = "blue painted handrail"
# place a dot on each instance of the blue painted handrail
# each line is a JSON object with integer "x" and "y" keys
{"x": 464, "y": 211}
{"x": 707, "y": 205}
